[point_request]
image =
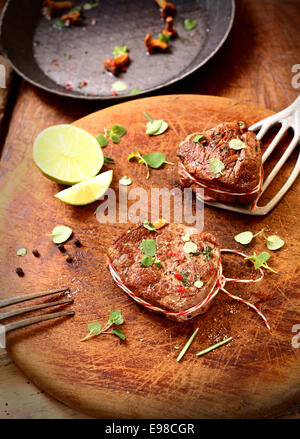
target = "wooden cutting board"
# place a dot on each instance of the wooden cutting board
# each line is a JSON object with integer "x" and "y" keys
{"x": 258, "y": 372}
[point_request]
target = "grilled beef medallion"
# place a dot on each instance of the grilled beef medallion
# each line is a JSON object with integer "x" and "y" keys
{"x": 227, "y": 158}
{"x": 167, "y": 267}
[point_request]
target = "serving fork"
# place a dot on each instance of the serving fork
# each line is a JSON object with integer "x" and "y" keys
{"x": 288, "y": 118}
{"x": 39, "y": 318}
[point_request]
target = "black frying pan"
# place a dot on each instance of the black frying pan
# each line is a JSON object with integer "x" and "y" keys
{"x": 54, "y": 59}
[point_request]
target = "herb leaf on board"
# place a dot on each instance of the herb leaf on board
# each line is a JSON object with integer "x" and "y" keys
{"x": 125, "y": 181}
{"x": 102, "y": 140}
{"x": 119, "y": 333}
{"x": 244, "y": 237}
{"x": 61, "y": 234}
{"x": 260, "y": 260}
{"x": 274, "y": 242}
{"x": 116, "y": 317}
{"x": 155, "y": 127}
{"x": 21, "y": 252}
{"x": 95, "y": 328}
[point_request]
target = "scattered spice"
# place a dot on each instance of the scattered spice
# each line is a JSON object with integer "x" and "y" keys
{"x": 61, "y": 248}
{"x": 36, "y": 253}
{"x": 77, "y": 243}
{"x": 69, "y": 259}
{"x": 20, "y": 272}
{"x": 82, "y": 84}
{"x": 68, "y": 86}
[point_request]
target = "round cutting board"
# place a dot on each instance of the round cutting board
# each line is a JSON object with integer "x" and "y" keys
{"x": 254, "y": 375}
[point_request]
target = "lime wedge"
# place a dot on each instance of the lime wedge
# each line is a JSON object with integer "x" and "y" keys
{"x": 87, "y": 191}
{"x": 67, "y": 154}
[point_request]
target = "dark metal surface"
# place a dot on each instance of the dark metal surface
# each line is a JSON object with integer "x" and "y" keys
{"x": 74, "y": 54}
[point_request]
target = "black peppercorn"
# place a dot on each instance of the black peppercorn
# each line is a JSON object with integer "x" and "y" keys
{"x": 36, "y": 253}
{"x": 20, "y": 272}
{"x": 61, "y": 248}
{"x": 69, "y": 259}
{"x": 78, "y": 243}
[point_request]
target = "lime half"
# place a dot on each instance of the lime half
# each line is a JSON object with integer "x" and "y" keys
{"x": 67, "y": 154}
{"x": 87, "y": 191}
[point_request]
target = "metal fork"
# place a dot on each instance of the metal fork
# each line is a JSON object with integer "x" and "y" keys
{"x": 39, "y": 318}
{"x": 288, "y": 118}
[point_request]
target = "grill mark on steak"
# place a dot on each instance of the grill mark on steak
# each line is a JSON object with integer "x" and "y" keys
{"x": 159, "y": 286}
{"x": 242, "y": 168}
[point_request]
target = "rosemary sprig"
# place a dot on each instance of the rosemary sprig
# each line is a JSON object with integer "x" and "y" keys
{"x": 214, "y": 346}
{"x": 187, "y": 345}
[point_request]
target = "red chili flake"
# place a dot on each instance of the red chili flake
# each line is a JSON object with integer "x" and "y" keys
{"x": 170, "y": 253}
{"x": 178, "y": 276}
{"x": 93, "y": 21}
{"x": 178, "y": 263}
{"x": 114, "y": 93}
{"x": 180, "y": 256}
{"x": 180, "y": 289}
{"x": 68, "y": 86}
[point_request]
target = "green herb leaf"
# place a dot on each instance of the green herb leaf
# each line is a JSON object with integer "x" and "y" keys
{"x": 197, "y": 138}
{"x": 148, "y": 247}
{"x": 187, "y": 345}
{"x": 155, "y": 127}
{"x": 119, "y": 333}
{"x": 118, "y": 130}
{"x": 59, "y": 24}
{"x": 119, "y": 50}
{"x": 61, "y": 234}
{"x": 102, "y": 140}
{"x": 206, "y": 252}
{"x": 115, "y": 138}
{"x": 149, "y": 226}
{"x": 116, "y": 317}
{"x": 216, "y": 166}
{"x": 176, "y": 347}
{"x": 186, "y": 237}
{"x": 135, "y": 90}
{"x": 164, "y": 37}
{"x": 146, "y": 261}
{"x": 274, "y": 242}
{"x": 214, "y": 346}
{"x": 90, "y": 5}
{"x": 157, "y": 262}
{"x": 109, "y": 160}
{"x": 94, "y": 328}
{"x": 125, "y": 181}
{"x": 154, "y": 159}
{"x": 260, "y": 260}
{"x": 189, "y": 24}
{"x": 21, "y": 252}
{"x": 198, "y": 283}
{"x": 244, "y": 237}
{"x": 119, "y": 86}
{"x": 237, "y": 144}
{"x": 190, "y": 247}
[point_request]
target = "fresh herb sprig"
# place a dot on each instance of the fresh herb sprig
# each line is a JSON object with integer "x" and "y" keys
{"x": 155, "y": 127}
{"x": 152, "y": 160}
{"x": 95, "y": 328}
{"x": 260, "y": 261}
{"x": 60, "y": 234}
{"x": 114, "y": 134}
{"x": 273, "y": 241}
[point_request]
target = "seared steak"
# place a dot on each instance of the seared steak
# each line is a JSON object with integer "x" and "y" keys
{"x": 181, "y": 274}
{"x": 230, "y": 149}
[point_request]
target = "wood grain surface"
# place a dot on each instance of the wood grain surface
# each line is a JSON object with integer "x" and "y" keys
{"x": 254, "y": 65}
{"x": 253, "y": 376}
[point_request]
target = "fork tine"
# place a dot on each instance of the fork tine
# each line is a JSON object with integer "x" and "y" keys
{"x": 16, "y": 312}
{"x": 25, "y": 297}
{"x": 37, "y": 319}
{"x": 274, "y": 142}
{"x": 280, "y": 163}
